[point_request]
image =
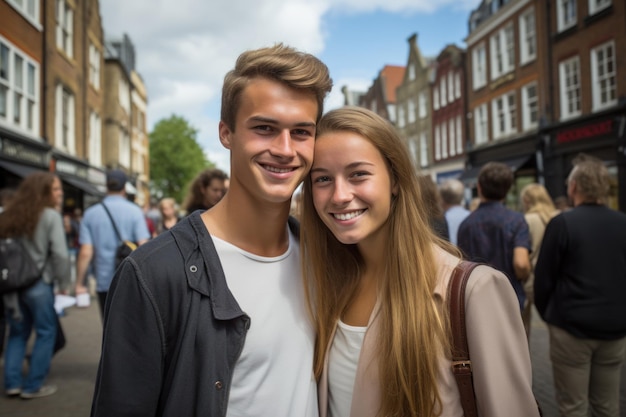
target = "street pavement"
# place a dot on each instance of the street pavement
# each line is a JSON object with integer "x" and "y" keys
{"x": 74, "y": 370}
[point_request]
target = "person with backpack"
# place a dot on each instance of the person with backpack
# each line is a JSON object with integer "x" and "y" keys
{"x": 104, "y": 228}
{"x": 32, "y": 217}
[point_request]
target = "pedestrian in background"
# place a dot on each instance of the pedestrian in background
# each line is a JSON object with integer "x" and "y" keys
{"x": 538, "y": 211}
{"x": 168, "y": 215}
{"x": 377, "y": 277}
{"x": 98, "y": 238}
{"x": 452, "y": 192}
{"x": 494, "y": 234}
{"x": 432, "y": 201}
{"x": 210, "y": 318}
{"x": 580, "y": 283}
{"x": 32, "y": 216}
{"x": 206, "y": 190}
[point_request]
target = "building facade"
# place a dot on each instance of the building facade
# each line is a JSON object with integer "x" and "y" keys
{"x": 449, "y": 130}
{"x": 381, "y": 96}
{"x": 588, "y": 78}
{"x": 508, "y": 98}
{"x": 414, "y": 115}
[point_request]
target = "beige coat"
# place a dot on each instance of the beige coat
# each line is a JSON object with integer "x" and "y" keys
{"x": 497, "y": 344}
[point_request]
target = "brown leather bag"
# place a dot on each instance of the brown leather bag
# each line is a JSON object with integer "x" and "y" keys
{"x": 461, "y": 363}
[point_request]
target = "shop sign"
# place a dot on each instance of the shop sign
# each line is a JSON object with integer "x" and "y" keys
{"x": 67, "y": 167}
{"x": 584, "y": 132}
{"x": 24, "y": 153}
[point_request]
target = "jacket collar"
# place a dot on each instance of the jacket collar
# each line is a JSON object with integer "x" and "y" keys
{"x": 203, "y": 268}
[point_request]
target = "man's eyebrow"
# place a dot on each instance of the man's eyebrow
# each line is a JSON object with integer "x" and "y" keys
{"x": 262, "y": 119}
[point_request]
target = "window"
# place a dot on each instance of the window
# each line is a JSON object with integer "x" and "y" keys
{"x": 566, "y": 14}
{"x": 457, "y": 85}
{"x": 479, "y": 67}
{"x": 452, "y": 131}
{"x": 480, "y": 125}
{"x": 450, "y": 87}
{"x": 124, "y": 150}
{"x": 597, "y": 5}
{"x": 437, "y": 143}
{"x": 95, "y": 139}
{"x": 459, "y": 135}
{"x": 528, "y": 37}
{"x": 413, "y": 149}
{"x": 124, "y": 95}
{"x": 412, "y": 110}
{"x": 423, "y": 150}
{"x": 411, "y": 71}
{"x": 502, "y": 52}
{"x": 65, "y": 27}
{"x": 94, "y": 66}
{"x": 603, "y": 79}
{"x": 444, "y": 141}
{"x": 422, "y": 105}
{"x": 401, "y": 116}
{"x": 436, "y": 98}
{"x": 65, "y": 136}
{"x": 19, "y": 90}
{"x": 569, "y": 86}
{"x": 28, "y": 8}
{"x": 530, "y": 106}
{"x": 504, "y": 113}
{"x": 442, "y": 92}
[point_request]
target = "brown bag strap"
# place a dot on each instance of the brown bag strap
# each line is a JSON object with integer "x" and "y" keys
{"x": 461, "y": 364}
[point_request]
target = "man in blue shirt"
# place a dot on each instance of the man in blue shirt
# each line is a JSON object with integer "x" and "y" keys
{"x": 494, "y": 234}
{"x": 451, "y": 192}
{"x": 98, "y": 240}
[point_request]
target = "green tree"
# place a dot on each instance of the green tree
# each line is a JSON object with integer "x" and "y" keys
{"x": 175, "y": 157}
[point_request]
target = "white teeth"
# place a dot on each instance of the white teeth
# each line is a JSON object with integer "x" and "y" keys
{"x": 348, "y": 216}
{"x": 277, "y": 170}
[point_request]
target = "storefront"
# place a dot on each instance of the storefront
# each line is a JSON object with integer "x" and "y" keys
{"x": 522, "y": 155}
{"x": 83, "y": 185}
{"x": 19, "y": 157}
{"x": 601, "y": 135}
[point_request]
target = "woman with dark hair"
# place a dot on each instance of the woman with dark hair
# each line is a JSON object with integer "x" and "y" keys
{"x": 206, "y": 190}
{"x": 31, "y": 216}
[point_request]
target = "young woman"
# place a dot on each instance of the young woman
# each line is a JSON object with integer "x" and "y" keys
{"x": 31, "y": 215}
{"x": 169, "y": 215}
{"x": 377, "y": 278}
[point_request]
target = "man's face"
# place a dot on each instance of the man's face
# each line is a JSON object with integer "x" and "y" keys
{"x": 272, "y": 142}
{"x": 214, "y": 192}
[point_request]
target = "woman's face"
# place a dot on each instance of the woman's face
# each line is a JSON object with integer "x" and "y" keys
{"x": 351, "y": 187}
{"x": 57, "y": 193}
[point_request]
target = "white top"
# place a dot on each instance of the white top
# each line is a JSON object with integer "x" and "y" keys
{"x": 274, "y": 374}
{"x": 342, "y": 363}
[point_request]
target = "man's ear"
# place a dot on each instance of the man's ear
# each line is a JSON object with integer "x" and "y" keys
{"x": 225, "y": 134}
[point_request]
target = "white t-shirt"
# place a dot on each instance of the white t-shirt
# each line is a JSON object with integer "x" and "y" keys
{"x": 274, "y": 374}
{"x": 342, "y": 363}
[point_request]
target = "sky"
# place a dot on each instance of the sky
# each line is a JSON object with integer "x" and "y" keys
{"x": 184, "y": 48}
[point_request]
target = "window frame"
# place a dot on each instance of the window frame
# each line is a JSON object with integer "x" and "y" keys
{"x": 481, "y": 124}
{"x": 598, "y": 103}
{"x": 563, "y": 8}
{"x": 528, "y": 104}
{"x": 528, "y": 38}
{"x": 595, "y": 8}
{"x": 21, "y": 92}
{"x": 479, "y": 66}
{"x": 565, "y": 90}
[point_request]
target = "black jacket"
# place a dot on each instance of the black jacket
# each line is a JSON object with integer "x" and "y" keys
{"x": 580, "y": 276}
{"x": 172, "y": 332}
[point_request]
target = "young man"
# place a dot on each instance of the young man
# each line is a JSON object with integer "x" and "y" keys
{"x": 494, "y": 234}
{"x": 208, "y": 319}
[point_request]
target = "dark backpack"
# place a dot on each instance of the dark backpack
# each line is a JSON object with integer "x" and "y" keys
{"x": 125, "y": 247}
{"x": 17, "y": 268}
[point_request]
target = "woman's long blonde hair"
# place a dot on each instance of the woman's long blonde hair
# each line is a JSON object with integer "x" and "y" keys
{"x": 413, "y": 331}
{"x": 536, "y": 199}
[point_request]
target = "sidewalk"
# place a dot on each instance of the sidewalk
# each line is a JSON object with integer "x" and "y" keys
{"x": 74, "y": 370}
